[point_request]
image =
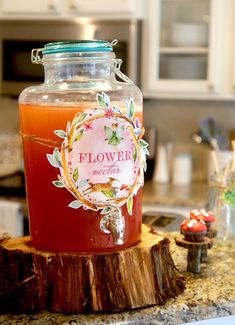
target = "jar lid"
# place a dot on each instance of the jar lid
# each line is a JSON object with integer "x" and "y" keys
{"x": 91, "y": 49}
{"x": 78, "y": 46}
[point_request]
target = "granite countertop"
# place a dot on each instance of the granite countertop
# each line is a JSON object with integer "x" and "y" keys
{"x": 193, "y": 195}
{"x": 207, "y": 295}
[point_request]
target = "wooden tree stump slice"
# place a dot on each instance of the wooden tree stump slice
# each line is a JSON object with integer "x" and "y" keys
{"x": 196, "y": 252}
{"x": 211, "y": 233}
{"x": 138, "y": 276}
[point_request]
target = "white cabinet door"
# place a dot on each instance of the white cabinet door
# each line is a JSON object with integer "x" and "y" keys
{"x": 30, "y": 6}
{"x": 103, "y": 6}
{"x": 182, "y": 48}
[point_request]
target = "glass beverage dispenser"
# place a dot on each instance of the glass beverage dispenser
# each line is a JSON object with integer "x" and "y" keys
{"x": 83, "y": 150}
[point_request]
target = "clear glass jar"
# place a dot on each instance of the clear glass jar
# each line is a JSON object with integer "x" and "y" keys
{"x": 83, "y": 153}
{"x": 221, "y": 202}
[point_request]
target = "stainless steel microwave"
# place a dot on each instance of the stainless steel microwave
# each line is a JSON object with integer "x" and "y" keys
{"x": 19, "y": 37}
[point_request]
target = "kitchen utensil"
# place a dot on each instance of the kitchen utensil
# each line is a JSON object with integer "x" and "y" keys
{"x": 212, "y": 134}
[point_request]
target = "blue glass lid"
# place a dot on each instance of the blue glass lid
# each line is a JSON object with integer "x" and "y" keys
{"x": 78, "y": 46}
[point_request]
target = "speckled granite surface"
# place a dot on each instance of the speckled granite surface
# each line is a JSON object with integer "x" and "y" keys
{"x": 208, "y": 295}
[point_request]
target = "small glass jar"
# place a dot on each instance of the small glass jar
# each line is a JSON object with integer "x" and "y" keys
{"x": 84, "y": 154}
{"x": 221, "y": 200}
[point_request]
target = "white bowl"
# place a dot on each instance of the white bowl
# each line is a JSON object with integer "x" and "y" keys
{"x": 189, "y": 34}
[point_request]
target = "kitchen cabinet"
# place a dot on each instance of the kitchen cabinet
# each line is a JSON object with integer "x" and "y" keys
{"x": 66, "y": 9}
{"x": 187, "y": 51}
{"x": 30, "y": 7}
{"x": 104, "y": 7}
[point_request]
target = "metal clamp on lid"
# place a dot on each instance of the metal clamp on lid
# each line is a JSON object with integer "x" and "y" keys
{"x": 36, "y": 56}
{"x": 119, "y": 73}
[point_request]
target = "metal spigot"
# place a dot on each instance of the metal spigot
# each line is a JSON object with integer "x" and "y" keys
{"x": 114, "y": 224}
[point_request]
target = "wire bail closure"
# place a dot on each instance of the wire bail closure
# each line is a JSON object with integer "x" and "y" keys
{"x": 119, "y": 73}
{"x": 36, "y": 56}
{"x": 114, "y": 42}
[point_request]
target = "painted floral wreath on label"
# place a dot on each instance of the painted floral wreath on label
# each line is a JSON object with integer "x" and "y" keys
{"x": 102, "y": 158}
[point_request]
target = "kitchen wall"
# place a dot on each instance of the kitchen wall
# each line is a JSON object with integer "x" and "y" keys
{"x": 9, "y": 120}
{"x": 177, "y": 119}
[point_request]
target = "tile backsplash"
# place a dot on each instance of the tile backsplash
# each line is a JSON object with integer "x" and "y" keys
{"x": 9, "y": 118}
{"x": 176, "y": 120}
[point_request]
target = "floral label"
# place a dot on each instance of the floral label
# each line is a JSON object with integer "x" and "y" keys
{"x": 102, "y": 158}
